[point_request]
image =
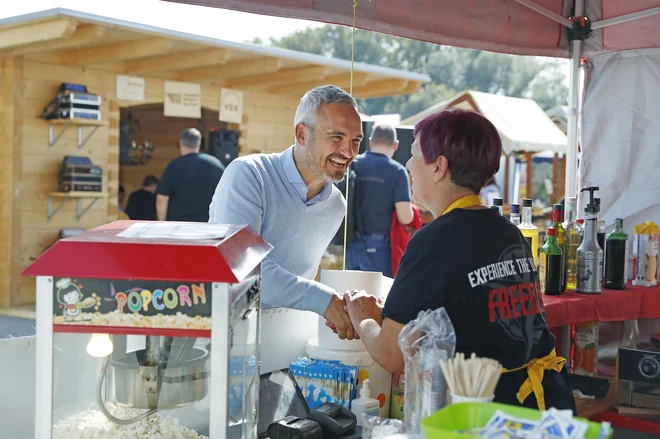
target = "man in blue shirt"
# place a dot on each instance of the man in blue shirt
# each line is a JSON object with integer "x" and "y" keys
{"x": 186, "y": 188}
{"x": 382, "y": 188}
{"x": 289, "y": 199}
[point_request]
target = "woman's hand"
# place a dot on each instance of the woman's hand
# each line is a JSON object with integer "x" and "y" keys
{"x": 362, "y": 306}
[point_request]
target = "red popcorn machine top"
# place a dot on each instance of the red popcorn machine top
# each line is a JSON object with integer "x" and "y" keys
{"x": 149, "y": 329}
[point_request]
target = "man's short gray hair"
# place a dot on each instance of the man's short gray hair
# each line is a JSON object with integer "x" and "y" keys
{"x": 383, "y": 135}
{"x": 191, "y": 138}
{"x": 314, "y": 98}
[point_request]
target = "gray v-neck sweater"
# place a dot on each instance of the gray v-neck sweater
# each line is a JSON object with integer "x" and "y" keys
{"x": 254, "y": 190}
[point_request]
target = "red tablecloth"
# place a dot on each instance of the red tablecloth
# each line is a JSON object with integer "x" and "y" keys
{"x": 613, "y": 305}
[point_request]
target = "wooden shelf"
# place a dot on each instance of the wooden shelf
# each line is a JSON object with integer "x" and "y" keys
{"x": 588, "y": 408}
{"x": 66, "y": 123}
{"x": 78, "y": 196}
{"x": 79, "y": 122}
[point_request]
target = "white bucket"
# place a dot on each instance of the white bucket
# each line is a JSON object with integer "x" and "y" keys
{"x": 380, "y": 380}
{"x": 342, "y": 280}
{"x": 457, "y": 399}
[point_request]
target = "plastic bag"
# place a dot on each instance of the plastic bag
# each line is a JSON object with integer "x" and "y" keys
{"x": 424, "y": 342}
{"x": 378, "y": 428}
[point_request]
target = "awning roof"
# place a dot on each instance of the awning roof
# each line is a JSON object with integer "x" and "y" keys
{"x": 503, "y": 26}
{"x": 82, "y": 39}
{"x": 522, "y": 124}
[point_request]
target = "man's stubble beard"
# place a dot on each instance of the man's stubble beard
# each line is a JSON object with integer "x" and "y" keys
{"x": 310, "y": 161}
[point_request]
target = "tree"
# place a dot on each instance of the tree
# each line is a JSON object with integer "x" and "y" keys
{"x": 452, "y": 70}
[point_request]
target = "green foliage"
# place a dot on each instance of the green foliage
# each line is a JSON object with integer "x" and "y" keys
{"x": 452, "y": 70}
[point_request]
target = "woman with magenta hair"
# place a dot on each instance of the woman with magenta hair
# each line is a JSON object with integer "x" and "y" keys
{"x": 473, "y": 262}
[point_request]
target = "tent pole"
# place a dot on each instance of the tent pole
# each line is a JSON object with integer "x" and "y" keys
{"x": 571, "y": 151}
{"x": 573, "y": 91}
{"x": 546, "y": 13}
{"x": 556, "y": 175}
{"x": 625, "y": 18}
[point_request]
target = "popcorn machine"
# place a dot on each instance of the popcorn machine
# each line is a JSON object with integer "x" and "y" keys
{"x": 149, "y": 329}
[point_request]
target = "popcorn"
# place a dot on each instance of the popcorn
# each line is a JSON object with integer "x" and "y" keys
{"x": 92, "y": 424}
{"x": 115, "y": 318}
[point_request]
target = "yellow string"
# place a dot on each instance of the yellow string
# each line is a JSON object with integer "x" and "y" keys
{"x": 350, "y": 91}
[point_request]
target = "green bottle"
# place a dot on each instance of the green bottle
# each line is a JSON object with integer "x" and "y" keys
{"x": 557, "y": 217}
{"x": 550, "y": 272}
{"x": 572, "y": 242}
{"x": 616, "y": 262}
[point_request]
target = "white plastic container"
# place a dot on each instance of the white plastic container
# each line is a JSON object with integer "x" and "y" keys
{"x": 457, "y": 399}
{"x": 340, "y": 281}
{"x": 364, "y": 404}
{"x": 380, "y": 380}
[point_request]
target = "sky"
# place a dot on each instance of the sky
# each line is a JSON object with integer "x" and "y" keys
{"x": 217, "y": 23}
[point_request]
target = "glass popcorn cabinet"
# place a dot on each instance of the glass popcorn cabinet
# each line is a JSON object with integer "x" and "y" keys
{"x": 149, "y": 330}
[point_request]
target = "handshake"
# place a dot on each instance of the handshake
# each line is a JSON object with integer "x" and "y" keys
{"x": 349, "y": 309}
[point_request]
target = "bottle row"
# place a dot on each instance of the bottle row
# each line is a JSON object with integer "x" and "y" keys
{"x": 576, "y": 254}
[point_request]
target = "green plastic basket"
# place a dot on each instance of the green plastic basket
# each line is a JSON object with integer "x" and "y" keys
{"x": 445, "y": 423}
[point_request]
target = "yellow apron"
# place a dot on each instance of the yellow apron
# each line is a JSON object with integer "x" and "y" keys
{"x": 535, "y": 370}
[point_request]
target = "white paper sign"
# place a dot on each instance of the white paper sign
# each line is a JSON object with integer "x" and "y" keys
{"x": 183, "y": 99}
{"x": 231, "y": 106}
{"x": 165, "y": 230}
{"x": 130, "y": 88}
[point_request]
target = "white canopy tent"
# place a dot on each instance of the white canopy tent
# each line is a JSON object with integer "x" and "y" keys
{"x": 524, "y": 128}
{"x": 522, "y": 124}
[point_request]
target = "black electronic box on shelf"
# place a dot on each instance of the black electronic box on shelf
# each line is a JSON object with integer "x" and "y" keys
{"x": 73, "y": 102}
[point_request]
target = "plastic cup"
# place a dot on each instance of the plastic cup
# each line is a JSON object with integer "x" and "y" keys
{"x": 457, "y": 399}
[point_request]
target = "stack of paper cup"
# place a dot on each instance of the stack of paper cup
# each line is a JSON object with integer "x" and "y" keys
{"x": 328, "y": 346}
{"x": 340, "y": 281}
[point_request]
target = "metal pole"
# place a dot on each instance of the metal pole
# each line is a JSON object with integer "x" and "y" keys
{"x": 573, "y": 93}
{"x": 571, "y": 151}
{"x": 547, "y": 13}
{"x": 625, "y": 18}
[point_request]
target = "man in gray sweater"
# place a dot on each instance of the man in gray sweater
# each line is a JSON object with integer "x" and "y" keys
{"x": 289, "y": 199}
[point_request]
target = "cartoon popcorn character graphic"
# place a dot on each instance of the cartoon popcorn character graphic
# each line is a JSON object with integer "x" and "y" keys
{"x": 71, "y": 298}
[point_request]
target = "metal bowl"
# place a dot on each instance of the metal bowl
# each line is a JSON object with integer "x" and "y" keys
{"x": 183, "y": 382}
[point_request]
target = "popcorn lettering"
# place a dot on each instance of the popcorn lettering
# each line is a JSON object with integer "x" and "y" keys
{"x": 136, "y": 299}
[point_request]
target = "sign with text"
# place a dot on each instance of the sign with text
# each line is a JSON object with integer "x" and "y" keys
{"x": 231, "y": 106}
{"x": 182, "y": 99}
{"x": 130, "y": 88}
{"x": 132, "y": 303}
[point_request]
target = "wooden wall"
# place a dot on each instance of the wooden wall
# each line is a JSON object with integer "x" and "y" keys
{"x": 29, "y": 168}
{"x": 11, "y": 78}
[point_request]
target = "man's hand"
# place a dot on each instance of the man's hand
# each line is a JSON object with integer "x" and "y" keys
{"x": 338, "y": 319}
{"x": 362, "y": 306}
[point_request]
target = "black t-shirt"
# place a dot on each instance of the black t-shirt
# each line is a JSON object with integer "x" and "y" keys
{"x": 477, "y": 265}
{"x": 142, "y": 206}
{"x": 190, "y": 182}
{"x": 381, "y": 182}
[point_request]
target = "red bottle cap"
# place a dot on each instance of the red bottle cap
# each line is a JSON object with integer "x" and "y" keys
{"x": 556, "y": 215}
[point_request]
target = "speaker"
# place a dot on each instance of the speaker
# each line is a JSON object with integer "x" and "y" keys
{"x": 403, "y": 134}
{"x": 367, "y": 126}
{"x": 406, "y": 139}
{"x": 223, "y": 144}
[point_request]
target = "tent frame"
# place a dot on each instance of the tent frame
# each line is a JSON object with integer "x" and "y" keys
{"x": 577, "y": 22}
